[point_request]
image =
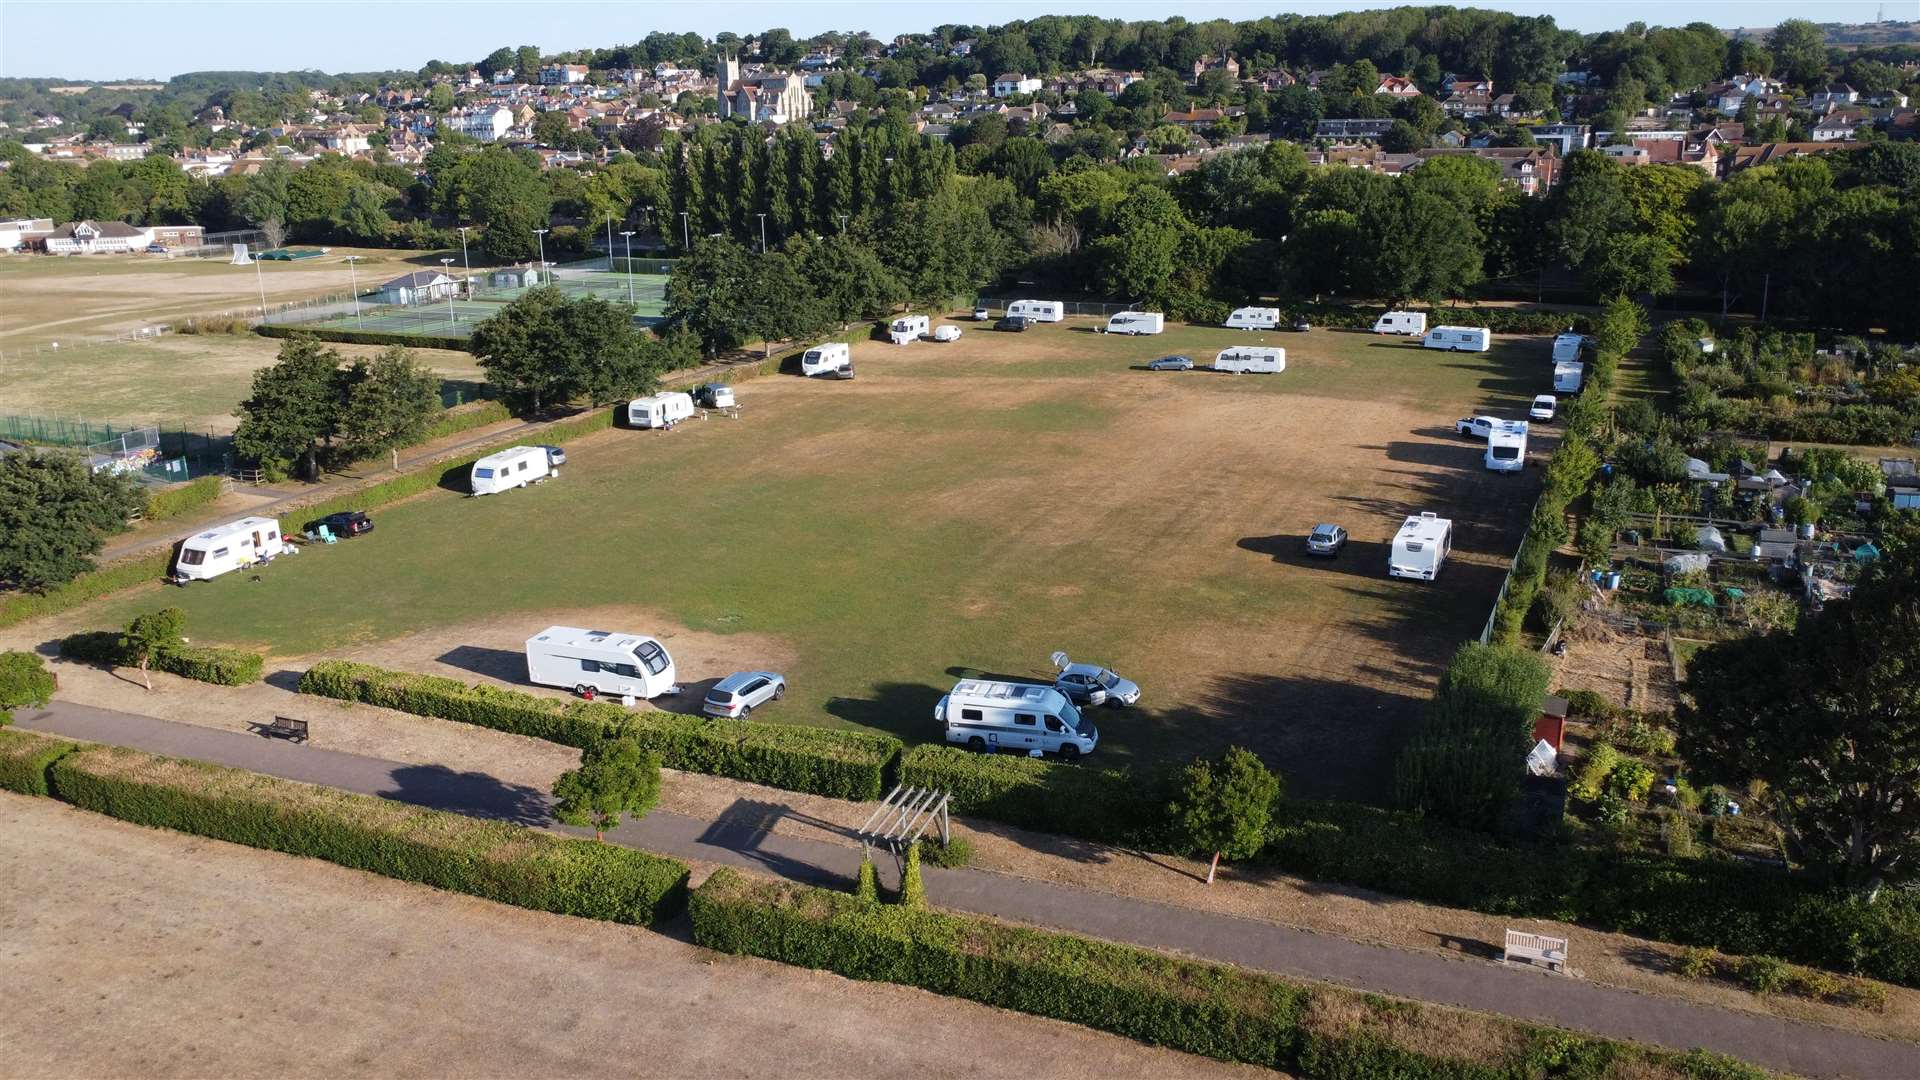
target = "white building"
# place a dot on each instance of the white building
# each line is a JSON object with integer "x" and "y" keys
{"x": 485, "y": 125}
{"x": 419, "y": 287}
{"x": 563, "y": 74}
{"x": 1015, "y": 83}
{"x": 98, "y": 238}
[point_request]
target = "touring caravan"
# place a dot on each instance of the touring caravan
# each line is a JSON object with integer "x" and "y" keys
{"x": 1413, "y": 323}
{"x": 1568, "y": 346}
{"x": 1567, "y": 376}
{"x": 1137, "y": 322}
{"x": 1254, "y": 318}
{"x": 591, "y": 662}
{"x": 659, "y": 410}
{"x": 1459, "y": 338}
{"x": 985, "y": 715}
{"x": 822, "y": 359}
{"x": 908, "y": 329}
{"x": 1251, "y": 358}
{"x": 516, "y": 466}
{"x": 1421, "y": 547}
{"x": 1038, "y": 310}
{"x": 1507, "y": 446}
{"x": 227, "y": 547}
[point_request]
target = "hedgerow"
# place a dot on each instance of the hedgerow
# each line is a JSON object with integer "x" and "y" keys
{"x": 188, "y": 497}
{"x": 224, "y": 667}
{"x": 24, "y": 760}
{"x": 360, "y": 337}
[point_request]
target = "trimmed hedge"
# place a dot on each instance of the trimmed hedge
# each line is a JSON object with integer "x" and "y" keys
{"x": 186, "y": 498}
{"x": 466, "y": 418}
{"x": 512, "y": 864}
{"x": 1202, "y": 1008}
{"x": 25, "y": 758}
{"x": 840, "y": 764}
{"x": 224, "y": 667}
{"x": 19, "y": 607}
{"x": 360, "y": 337}
{"x": 1109, "y": 805}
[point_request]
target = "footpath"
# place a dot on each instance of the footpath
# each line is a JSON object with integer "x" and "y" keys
{"x": 1775, "y": 1043}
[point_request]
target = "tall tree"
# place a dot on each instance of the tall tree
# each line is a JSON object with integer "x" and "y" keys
{"x": 544, "y": 350}
{"x": 152, "y": 633}
{"x": 616, "y": 778}
{"x": 293, "y": 410}
{"x": 54, "y": 513}
{"x": 389, "y": 403}
{"x": 1799, "y": 50}
{"x": 1224, "y": 806}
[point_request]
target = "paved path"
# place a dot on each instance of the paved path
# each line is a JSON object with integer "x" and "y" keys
{"x": 1806, "y": 1049}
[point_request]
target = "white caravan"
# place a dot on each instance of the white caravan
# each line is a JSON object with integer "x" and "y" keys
{"x": 659, "y": 410}
{"x": 1254, "y": 318}
{"x": 908, "y": 329}
{"x": 1568, "y": 346}
{"x": 1507, "y": 446}
{"x": 516, "y": 466}
{"x": 821, "y": 359}
{"x": 1421, "y": 547}
{"x": 591, "y": 662}
{"x": 232, "y": 546}
{"x": 1251, "y": 358}
{"x": 1137, "y": 322}
{"x": 1038, "y": 310}
{"x": 1567, "y": 376}
{"x": 1459, "y": 338}
{"x": 1401, "y": 322}
{"x": 986, "y": 715}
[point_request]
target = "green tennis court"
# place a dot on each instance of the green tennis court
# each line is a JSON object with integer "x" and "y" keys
{"x": 457, "y": 318}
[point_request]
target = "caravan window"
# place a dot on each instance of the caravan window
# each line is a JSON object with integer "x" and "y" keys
{"x": 624, "y": 670}
{"x": 1414, "y": 545}
{"x": 192, "y": 556}
{"x": 589, "y": 665}
{"x": 219, "y": 552}
{"x": 970, "y": 714}
{"x": 651, "y": 655}
{"x": 483, "y": 474}
{"x": 523, "y": 466}
{"x": 1026, "y": 719}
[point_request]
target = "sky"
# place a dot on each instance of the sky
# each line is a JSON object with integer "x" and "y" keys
{"x": 114, "y": 39}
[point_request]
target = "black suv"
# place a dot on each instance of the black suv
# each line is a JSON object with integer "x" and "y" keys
{"x": 344, "y": 524}
{"x": 1013, "y": 323}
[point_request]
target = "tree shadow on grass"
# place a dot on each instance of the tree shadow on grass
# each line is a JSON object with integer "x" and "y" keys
{"x": 904, "y": 710}
{"x": 473, "y": 793}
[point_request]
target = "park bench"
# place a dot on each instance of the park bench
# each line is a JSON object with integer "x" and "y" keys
{"x": 286, "y": 727}
{"x": 1536, "y": 948}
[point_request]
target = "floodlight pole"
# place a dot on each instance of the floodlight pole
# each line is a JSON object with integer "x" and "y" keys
{"x": 628, "y": 234}
{"x": 354, "y": 274}
{"x": 686, "y": 237}
{"x": 609, "y": 240}
{"x": 259, "y": 279}
{"x": 542, "y": 235}
{"x": 452, "y": 322}
{"x": 466, "y": 263}
{"x": 763, "y": 233}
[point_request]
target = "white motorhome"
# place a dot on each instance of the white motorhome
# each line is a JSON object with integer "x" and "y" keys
{"x": 1254, "y": 318}
{"x": 1459, "y": 338}
{"x": 1568, "y": 346}
{"x": 1413, "y": 323}
{"x": 1507, "y": 446}
{"x": 1137, "y": 322}
{"x": 1567, "y": 376}
{"x": 985, "y": 715}
{"x": 1251, "y": 358}
{"x": 1421, "y": 547}
{"x": 1038, "y": 310}
{"x": 516, "y": 466}
{"x": 232, "y": 546}
{"x": 822, "y": 359}
{"x": 659, "y": 410}
{"x": 591, "y": 662}
{"x": 908, "y": 329}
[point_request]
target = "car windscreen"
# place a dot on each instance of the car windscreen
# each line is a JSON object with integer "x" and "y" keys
{"x": 651, "y": 655}
{"x": 1072, "y": 718}
{"x": 1107, "y": 679}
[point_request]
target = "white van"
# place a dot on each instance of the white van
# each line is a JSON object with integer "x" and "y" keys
{"x": 908, "y": 329}
{"x": 1507, "y": 446}
{"x": 232, "y": 546}
{"x": 1251, "y": 358}
{"x": 1401, "y": 322}
{"x": 1568, "y": 346}
{"x": 594, "y": 662}
{"x": 985, "y": 715}
{"x": 1459, "y": 338}
{"x": 822, "y": 359}
{"x": 1038, "y": 310}
{"x": 659, "y": 410}
{"x": 1254, "y": 318}
{"x": 516, "y": 466}
{"x": 1567, "y": 376}
{"x": 1137, "y": 322}
{"x": 1421, "y": 547}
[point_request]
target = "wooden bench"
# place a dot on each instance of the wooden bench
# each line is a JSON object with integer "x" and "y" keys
{"x": 286, "y": 727}
{"x": 1536, "y": 948}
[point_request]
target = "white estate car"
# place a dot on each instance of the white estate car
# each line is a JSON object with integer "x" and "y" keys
{"x": 1543, "y": 406}
{"x": 946, "y": 333}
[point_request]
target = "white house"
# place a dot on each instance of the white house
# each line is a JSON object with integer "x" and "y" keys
{"x": 563, "y": 74}
{"x": 485, "y": 125}
{"x": 1833, "y": 94}
{"x": 419, "y": 287}
{"x": 1015, "y": 83}
{"x": 98, "y": 238}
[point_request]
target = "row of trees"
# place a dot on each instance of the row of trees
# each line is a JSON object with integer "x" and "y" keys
{"x": 311, "y": 409}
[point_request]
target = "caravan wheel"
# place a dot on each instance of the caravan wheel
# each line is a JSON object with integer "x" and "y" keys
{"x": 584, "y": 691}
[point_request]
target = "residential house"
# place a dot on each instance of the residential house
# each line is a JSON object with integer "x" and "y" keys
{"x": 1884, "y": 99}
{"x": 503, "y": 77}
{"x": 1394, "y": 86}
{"x": 98, "y": 238}
{"x": 1354, "y": 129}
{"x": 963, "y": 47}
{"x": 763, "y": 96}
{"x": 1194, "y": 118}
{"x": 1468, "y": 103}
{"x": 1840, "y": 125}
{"x": 821, "y": 56}
{"x": 1565, "y": 137}
{"x": 419, "y": 287}
{"x": 17, "y": 233}
{"x": 1735, "y": 159}
{"x": 1014, "y": 82}
{"x": 488, "y": 124}
{"x": 1532, "y": 169}
{"x": 1277, "y": 79}
{"x": 348, "y": 139}
{"x": 1903, "y": 124}
{"x": 1216, "y": 63}
{"x": 1832, "y": 95}
{"x": 562, "y": 74}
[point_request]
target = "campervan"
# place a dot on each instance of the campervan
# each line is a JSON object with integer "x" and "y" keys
{"x": 1568, "y": 346}
{"x": 594, "y": 662}
{"x": 659, "y": 410}
{"x": 986, "y": 715}
{"x": 822, "y": 359}
{"x": 227, "y": 547}
{"x": 1421, "y": 547}
{"x": 1567, "y": 376}
{"x": 1507, "y": 446}
{"x": 1459, "y": 338}
{"x": 1254, "y": 318}
{"x": 1137, "y": 322}
{"x": 1038, "y": 310}
{"x": 1401, "y": 322}
{"x": 1251, "y": 358}
{"x": 516, "y": 466}
{"x": 908, "y": 329}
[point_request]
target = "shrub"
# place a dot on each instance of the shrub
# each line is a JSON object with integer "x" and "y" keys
{"x": 1695, "y": 963}
{"x": 1113, "y": 805}
{"x": 867, "y": 888}
{"x": 1588, "y": 705}
{"x": 1813, "y": 984}
{"x": 24, "y": 680}
{"x": 1631, "y": 781}
{"x": 19, "y": 607}
{"x": 951, "y": 855}
{"x": 190, "y": 496}
{"x": 1763, "y": 974}
{"x": 224, "y": 667}
{"x": 1591, "y": 778}
{"x": 25, "y": 758}
{"x": 466, "y": 418}
{"x": 913, "y": 889}
{"x": 512, "y": 864}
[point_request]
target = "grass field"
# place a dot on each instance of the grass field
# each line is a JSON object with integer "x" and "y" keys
{"x": 971, "y": 507}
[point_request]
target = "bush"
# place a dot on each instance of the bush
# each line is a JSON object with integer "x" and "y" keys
{"x": 913, "y": 889}
{"x": 1110, "y": 805}
{"x": 223, "y": 667}
{"x": 1594, "y": 770}
{"x": 512, "y": 864}
{"x": 840, "y": 764}
{"x": 867, "y": 888}
{"x": 25, "y": 758}
{"x": 1631, "y": 781}
{"x": 1763, "y": 974}
{"x": 174, "y": 501}
{"x": 951, "y": 855}
{"x": 1588, "y": 705}
{"x": 24, "y": 680}
{"x": 1696, "y": 963}
{"x": 19, "y": 607}
{"x": 466, "y": 418}
{"x": 105, "y": 647}
{"x": 359, "y": 337}
{"x": 1223, "y": 1012}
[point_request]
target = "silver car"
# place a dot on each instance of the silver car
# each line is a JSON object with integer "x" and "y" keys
{"x": 1091, "y": 684}
{"x": 1326, "y": 540}
{"x": 736, "y": 696}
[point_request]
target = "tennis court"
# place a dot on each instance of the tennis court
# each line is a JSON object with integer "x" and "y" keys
{"x": 456, "y": 318}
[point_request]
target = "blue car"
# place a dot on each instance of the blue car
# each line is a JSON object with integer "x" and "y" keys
{"x": 1172, "y": 363}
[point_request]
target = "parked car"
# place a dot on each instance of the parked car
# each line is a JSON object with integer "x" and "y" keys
{"x": 736, "y": 696}
{"x": 1478, "y": 427}
{"x": 1301, "y": 326}
{"x": 843, "y": 372}
{"x": 1326, "y": 540}
{"x": 556, "y": 457}
{"x": 156, "y": 249}
{"x": 344, "y": 524}
{"x": 980, "y": 314}
{"x": 714, "y": 395}
{"x": 1171, "y": 363}
{"x": 1091, "y": 684}
{"x": 1012, "y": 323}
{"x": 946, "y": 333}
{"x": 1543, "y": 406}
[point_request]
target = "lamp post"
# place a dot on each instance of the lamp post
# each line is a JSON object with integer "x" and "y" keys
{"x": 354, "y": 274}
{"x": 686, "y": 238}
{"x": 542, "y": 235}
{"x": 465, "y": 263}
{"x": 843, "y": 223}
{"x": 628, "y": 233}
{"x": 452, "y": 322}
{"x": 609, "y": 239}
{"x": 260, "y": 280}
{"x": 763, "y": 233}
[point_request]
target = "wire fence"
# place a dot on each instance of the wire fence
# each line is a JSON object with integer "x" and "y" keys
{"x": 163, "y": 454}
{"x": 1069, "y": 307}
{"x": 68, "y": 345}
